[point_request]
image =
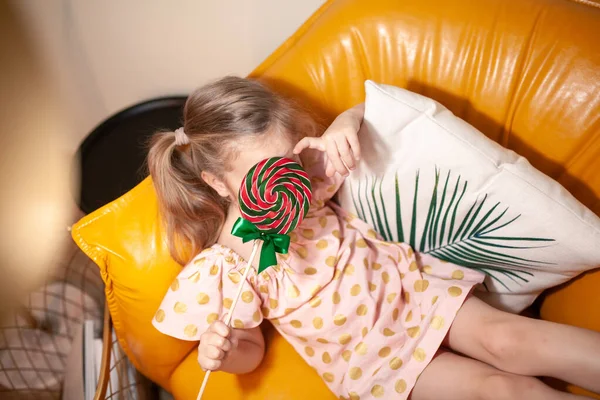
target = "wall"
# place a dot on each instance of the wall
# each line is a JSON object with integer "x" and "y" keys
{"x": 109, "y": 54}
{"x": 34, "y": 197}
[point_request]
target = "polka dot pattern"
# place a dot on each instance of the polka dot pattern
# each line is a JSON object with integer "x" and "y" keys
{"x": 377, "y": 391}
{"x": 159, "y": 316}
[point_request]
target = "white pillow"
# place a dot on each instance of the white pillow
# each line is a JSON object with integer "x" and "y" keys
{"x": 534, "y": 233}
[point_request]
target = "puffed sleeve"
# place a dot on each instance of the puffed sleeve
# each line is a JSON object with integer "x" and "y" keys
{"x": 203, "y": 292}
{"x": 323, "y": 187}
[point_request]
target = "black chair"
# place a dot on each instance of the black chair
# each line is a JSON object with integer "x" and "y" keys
{"x": 111, "y": 160}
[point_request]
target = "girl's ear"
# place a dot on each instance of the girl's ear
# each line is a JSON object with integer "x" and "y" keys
{"x": 217, "y": 184}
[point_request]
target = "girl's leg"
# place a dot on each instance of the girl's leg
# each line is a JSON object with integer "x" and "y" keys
{"x": 452, "y": 377}
{"x": 526, "y": 346}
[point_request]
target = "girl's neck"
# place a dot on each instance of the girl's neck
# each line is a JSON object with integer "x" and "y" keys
{"x": 233, "y": 213}
{"x": 234, "y": 243}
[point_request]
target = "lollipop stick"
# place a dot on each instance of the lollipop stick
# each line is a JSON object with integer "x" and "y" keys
{"x": 230, "y": 314}
{"x": 239, "y": 292}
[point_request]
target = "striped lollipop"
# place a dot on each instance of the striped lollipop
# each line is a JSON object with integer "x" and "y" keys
{"x": 275, "y": 195}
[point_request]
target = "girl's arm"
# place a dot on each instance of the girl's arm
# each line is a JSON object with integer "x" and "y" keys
{"x": 339, "y": 142}
{"x": 237, "y": 351}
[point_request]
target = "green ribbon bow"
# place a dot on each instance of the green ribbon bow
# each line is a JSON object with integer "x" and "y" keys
{"x": 273, "y": 242}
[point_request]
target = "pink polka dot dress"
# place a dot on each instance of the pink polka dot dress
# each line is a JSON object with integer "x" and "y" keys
{"x": 367, "y": 315}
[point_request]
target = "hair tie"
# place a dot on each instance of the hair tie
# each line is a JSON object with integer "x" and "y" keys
{"x": 181, "y": 139}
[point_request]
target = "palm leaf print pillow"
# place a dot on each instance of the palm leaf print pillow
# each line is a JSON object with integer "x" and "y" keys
{"x": 429, "y": 179}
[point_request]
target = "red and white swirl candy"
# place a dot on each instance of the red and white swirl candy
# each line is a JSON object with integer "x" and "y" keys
{"x": 275, "y": 195}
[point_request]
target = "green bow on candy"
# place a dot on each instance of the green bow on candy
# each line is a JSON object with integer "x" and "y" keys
{"x": 273, "y": 242}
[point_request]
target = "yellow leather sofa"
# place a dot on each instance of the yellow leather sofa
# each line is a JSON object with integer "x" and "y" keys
{"x": 524, "y": 72}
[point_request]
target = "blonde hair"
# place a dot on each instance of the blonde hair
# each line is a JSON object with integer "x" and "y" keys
{"x": 215, "y": 117}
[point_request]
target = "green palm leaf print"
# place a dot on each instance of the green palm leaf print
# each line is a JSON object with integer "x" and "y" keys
{"x": 473, "y": 240}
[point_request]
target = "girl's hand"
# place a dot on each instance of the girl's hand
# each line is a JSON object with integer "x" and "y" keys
{"x": 214, "y": 346}
{"x": 340, "y": 142}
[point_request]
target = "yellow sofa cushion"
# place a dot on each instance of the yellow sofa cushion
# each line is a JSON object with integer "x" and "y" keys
{"x": 126, "y": 240}
{"x": 526, "y": 73}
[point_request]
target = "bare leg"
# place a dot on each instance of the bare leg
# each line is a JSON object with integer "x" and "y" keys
{"x": 453, "y": 377}
{"x": 526, "y": 346}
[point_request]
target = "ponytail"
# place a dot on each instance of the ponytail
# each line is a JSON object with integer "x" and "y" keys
{"x": 192, "y": 211}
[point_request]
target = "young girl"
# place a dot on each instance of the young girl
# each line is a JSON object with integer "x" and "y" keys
{"x": 369, "y": 316}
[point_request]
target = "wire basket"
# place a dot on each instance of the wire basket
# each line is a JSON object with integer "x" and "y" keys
{"x": 36, "y": 339}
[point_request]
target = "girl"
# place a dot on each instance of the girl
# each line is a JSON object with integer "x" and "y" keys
{"x": 368, "y": 316}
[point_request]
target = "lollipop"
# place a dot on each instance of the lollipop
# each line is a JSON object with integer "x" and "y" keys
{"x": 274, "y": 198}
{"x": 275, "y": 195}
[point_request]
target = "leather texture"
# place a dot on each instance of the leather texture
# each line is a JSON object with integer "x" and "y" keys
{"x": 524, "y": 72}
